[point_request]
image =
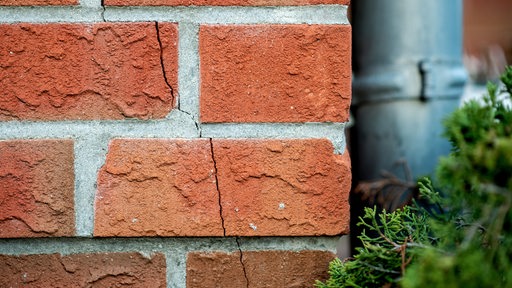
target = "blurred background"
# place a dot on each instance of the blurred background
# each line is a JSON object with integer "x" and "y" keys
{"x": 414, "y": 62}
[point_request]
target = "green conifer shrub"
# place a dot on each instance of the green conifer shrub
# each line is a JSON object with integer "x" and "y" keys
{"x": 463, "y": 239}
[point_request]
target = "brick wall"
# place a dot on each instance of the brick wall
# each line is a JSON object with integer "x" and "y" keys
{"x": 172, "y": 143}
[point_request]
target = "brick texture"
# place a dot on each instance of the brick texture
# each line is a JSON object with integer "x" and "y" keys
{"x": 37, "y": 2}
{"x": 36, "y": 188}
{"x": 222, "y": 2}
{"x": 87, "y": 71}
{"x": 275, "y": 73}
{"x": 283, "y": 187}
{"x": 158, "y": 187}
{"x": 83, "y": 270}
{"x": 257, "y": 269}
{"x": 151, "y": 187}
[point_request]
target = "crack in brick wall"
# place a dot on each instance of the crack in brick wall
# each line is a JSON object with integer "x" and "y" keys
{"x": 215, "y": 171}
{"x": 237, "y": 239}
{"x": 164, "y": 74}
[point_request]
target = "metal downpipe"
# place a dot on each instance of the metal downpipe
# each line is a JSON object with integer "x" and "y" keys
{"x": 408, "y": 75}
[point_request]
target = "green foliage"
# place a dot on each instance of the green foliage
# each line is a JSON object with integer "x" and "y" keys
{"x": 475, "y": 247}
{"x": 463, "y": 239}
{"x": 383, "y": 257}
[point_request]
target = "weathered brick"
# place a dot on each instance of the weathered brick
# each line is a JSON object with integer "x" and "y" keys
{"x": 87, "y": 71}
{"x": 37, "y": 2}
{"x": 257, "y": 269}
{"x": 222, "y": 2}
{"x": 36, "y": 188}
{"x": 151, "y": 187}
{"x": 83, "y": 270}
{"x": 282, "y": 187}
{"x": 275, "y": 73}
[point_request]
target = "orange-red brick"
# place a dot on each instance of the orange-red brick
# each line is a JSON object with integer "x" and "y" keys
{"x": 83, "y": 270}
{"x": 260, "y": 269}
{"x": 37, "y": 2}
{"x": 283, "y": 187}
{"x": 36, "y": 188}
{"x": 222, "y": 2}
{"x": 151, "y": 187}
{"x": 275, "y": 73}
{"x": 86, "y": 71}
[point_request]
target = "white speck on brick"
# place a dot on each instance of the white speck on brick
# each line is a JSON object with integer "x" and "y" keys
{"x": 281, "y": 206}
{"x": 254, "y": 227}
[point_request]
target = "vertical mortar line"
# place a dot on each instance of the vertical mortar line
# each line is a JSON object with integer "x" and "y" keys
{"x": 89, "y": 154}
{"x": 188, "y": 70}
{"x": 215, "y": 171}
{"x": 237, "y": 239}
{"x": 176, "y": 267}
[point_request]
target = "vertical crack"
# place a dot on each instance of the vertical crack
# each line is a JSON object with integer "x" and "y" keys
{"x": 217, "y": 185}
{"x": 103, "y": 10}
{"x": 242, "y": 261}
{"x": 162, "y": 65}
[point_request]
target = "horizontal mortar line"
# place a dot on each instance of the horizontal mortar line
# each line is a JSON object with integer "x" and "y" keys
{"x": 324, "y": 14}
{"x": 315, "y": 14}
{"x": 50, "y": 14}
{"x": 332, "y": 131}
{"x": 165, "y": 128}
{"x": 71, "y": 129}
{"x": 66, "y": 246}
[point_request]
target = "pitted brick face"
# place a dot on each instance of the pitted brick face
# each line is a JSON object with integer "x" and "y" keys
{"x": 83, "y": 270}
{"x": 222, "y": 2}
{"x": 275, "y": 73}
{"x": 37, "y": 2}
{"x": 36, "y": 188}
{"x": 282, "y": 187}
{"x": 151, "y": 187}
{"x": 257, "y": 269}
{"x": 87, "y": 71}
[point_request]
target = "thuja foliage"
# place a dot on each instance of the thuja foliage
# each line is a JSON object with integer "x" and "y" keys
{"x": 475, "y": 238}
{"x": 383, "y": 258}
{"x": 466, "y": 240}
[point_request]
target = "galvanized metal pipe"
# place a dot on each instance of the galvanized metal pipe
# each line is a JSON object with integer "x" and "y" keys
{"x": 408, "y": 75}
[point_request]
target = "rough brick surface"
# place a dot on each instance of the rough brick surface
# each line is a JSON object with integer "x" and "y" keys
{"x": 87, "y": 71}
{"x": 37, "y": 2}
{"x": 36, "y": 188}
{"x": 83, "y": 270}
{"x": 282, "y": 187}
{"x": 222, "y": 2}
{"x": 151, "y": 187}
{"x": 257, "y": 269}
{"x": 275, "y": 73}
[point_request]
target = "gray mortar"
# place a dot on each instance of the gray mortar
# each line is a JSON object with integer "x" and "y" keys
{"x": 332, "y": 131}
{"x": 321, "y": 14}
{"x": 188, "y": 67}
{"x": 150, "y": 245}
{"x": 90, "y": 3}
{"x": 92, "y": 11}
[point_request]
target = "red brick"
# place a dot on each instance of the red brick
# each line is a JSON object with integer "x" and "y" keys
{"x": 86, "y": 71}
{"x": 151, "y": 187}
{"x": 83, "y": 270}
{"x": 282, "y": 187}
{"x": 37, "y": 2}
{"x": 222, "y": 2}
{"x": 37, "y": 188}
{"x": 275, "y": 73}
{"x": 262, "y": 269}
